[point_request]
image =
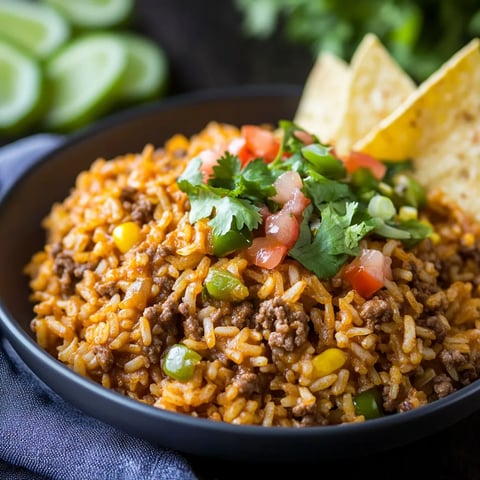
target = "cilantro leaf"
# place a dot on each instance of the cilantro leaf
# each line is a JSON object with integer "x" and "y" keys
{"x": 202, "y": 204}
{"x": 255, "y": 181}
{"x": 337, "y": 237}
{"x": 234, "y": 213}
{"x": 322, "y": 190}
{"x": 225, "y": 172}
{"x": 191, "y": 176}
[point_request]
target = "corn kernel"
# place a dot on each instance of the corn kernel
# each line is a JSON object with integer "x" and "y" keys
{"x": 328, "y": 361}
{"x": 468, "y": 239}
{"x": 407, "y": 212}
{"x": 435, "y": 238}
{"x": 126, "y": 235}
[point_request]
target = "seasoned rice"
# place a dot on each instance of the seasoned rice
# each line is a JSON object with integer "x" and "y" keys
{"x": 110, "y": 316}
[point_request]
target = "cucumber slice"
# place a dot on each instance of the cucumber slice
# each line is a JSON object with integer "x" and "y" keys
{"x": 21, "y": 86}
{"x": 84, "y": 78}
{"x": 89, "y": 14}
{"x": 146, "y": 76}
{"x": 35, "y": 27}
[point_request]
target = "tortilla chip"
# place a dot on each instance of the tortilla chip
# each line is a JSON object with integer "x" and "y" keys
{"x": 429, "y": 114}
{"x": 377, "y": 87}
{"x": 321, "y": 106}
{"x": 439, "y": 129}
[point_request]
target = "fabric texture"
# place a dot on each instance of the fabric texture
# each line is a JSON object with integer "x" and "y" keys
{"x": 41, "y": 435}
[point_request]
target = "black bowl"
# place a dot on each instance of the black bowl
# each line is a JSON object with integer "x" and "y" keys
{"x": 28, "y": 201}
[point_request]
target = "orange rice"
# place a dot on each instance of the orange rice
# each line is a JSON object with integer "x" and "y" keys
{"x": 110, "y": 316}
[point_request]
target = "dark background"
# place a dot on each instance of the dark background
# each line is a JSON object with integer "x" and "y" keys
{"x": 207, "y": 49}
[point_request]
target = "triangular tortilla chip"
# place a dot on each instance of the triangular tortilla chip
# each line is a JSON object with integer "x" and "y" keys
{"x": 321, "y": 106}
{"x": 377, "y": 86}
{"x": 439, "y": 129}
{"x": 428, "y": 114}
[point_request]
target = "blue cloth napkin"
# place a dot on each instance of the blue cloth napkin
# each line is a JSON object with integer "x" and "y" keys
{"x": 41, "y": 435}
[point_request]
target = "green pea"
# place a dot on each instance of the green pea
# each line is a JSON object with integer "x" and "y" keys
{"x": 179, "y": 362}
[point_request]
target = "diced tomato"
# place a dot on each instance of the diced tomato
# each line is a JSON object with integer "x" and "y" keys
{"x": 259, "y": 143}
{"x": 355, "y": 160}
{"x": 367, "y": 273}
{"x": 236, "y": 145}
{"x": 304, "y": 137}
{"x": 297, "y": 203}
{"x": 284, "y": 186}
{"x": 266, "y": 252}
{"x": 283, "y": 227}
{"x": 209, "y": 159}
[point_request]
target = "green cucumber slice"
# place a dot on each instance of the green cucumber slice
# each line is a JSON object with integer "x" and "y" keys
{"x": 146, "y": 76}
{"x": 21, "y": 87}
{"x": 35, "y": 27}
{"x": 84, "y": 78}
{"x": 88, "y": 14}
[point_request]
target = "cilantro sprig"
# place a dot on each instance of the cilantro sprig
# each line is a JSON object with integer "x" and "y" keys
{"x": 231, "y": 196}
{"x": 335, "y": 222}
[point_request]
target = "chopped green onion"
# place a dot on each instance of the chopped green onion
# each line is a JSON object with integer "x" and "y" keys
{"x": 381, "y": 207}
{"x": 388, "y": 231}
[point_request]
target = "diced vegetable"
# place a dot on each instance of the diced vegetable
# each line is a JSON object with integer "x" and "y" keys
{"x": 223, "y": 285}
{"x": 126, "y": 235}
{"x": 231, "y": 241}
{"x": 328, "y": 361}
{"x": 283, "y": 227}
{"x": 356, "y": 160}
{"x": 285, "y": 184}
{"x": 406, "y": 213}
{"x": 368, "y": 271}
{"x": 368, "y": 404}
{"x": 259, "y": 143}
{"x": 381, "y": 207}
{"x": 266, "y": 252}
{"x": 179, "y": 362}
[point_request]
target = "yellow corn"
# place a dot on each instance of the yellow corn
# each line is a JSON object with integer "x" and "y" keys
{"x": 126, "y": 235}
{"x": 407, "y": 212}
{"x": 328, "y": 361}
